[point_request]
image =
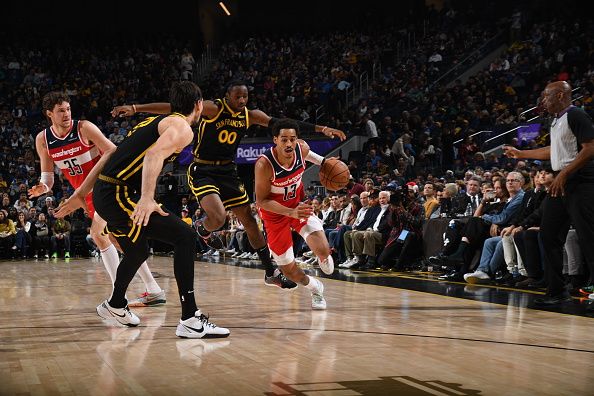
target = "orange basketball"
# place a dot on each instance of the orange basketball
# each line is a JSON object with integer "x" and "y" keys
{"x": 334, "y": 174}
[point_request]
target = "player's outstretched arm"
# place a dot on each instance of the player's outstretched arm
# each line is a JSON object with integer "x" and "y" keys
{"x": 258, "y": 117}
{"x": 151, "y": 108}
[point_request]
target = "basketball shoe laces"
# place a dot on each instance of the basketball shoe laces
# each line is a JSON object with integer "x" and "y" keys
{"x": 204, "y": 319}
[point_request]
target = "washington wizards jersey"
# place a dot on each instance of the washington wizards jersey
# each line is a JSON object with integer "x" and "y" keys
{"x": 286, "y": 185}
{"x": 74, "y": 157}
{"x": 218, "y": 138}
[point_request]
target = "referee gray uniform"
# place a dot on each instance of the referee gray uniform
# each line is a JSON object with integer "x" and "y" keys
{"x": 568, "y": 131}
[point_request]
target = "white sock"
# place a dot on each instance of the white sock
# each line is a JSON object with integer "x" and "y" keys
{"x": 111, "y": 260}
{"x": 313, "y": 284}
{"x": 147, "y": 277}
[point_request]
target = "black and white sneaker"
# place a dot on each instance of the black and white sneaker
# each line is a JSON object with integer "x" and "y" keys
{"x": 279, "y": 280}
{"x": 121, "y": 315}
{"x": 198, "y": 326}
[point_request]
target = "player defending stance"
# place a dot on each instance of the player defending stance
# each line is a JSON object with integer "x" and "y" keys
{"x": 213, "y": 175}
{"x": 124, "y": 195}
{"x": 279, "y": 192}
{"x": 75, "y": 146}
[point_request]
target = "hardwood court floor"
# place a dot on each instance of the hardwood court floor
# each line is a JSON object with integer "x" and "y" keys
{"x": 372, "y": 340}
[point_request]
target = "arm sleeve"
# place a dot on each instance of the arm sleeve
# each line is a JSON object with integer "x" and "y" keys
{"x": 581, "y": 125}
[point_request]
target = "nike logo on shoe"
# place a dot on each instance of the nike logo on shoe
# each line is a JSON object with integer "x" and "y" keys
{"x": 193, "y": 329}
{"x": 115, "y": 313}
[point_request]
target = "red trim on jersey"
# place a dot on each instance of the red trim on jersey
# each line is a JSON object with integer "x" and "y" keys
{"x": 80, "y": 137}
{"x": 271, "y": 166}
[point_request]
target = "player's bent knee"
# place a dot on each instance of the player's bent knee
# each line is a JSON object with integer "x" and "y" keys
{"x": 102, "y": 241}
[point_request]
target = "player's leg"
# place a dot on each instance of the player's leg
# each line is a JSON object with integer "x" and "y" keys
{"x": 280, "y": 242}
{"x": 215, "y": 211}
{"x": 208, "y": 195}
{"x": 273, "y": 276}
{"x": 293, "y": 272}
{"x": 172, "y": 230}
{"x": 313, "y": 234}
{"x": 154, "y": 294}
{"x": 318, "y": 243}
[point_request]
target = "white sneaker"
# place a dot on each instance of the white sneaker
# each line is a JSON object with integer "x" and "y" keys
{"x": 230, "y": 251}
{"x": 311, "y": 261}
{"x": 308, "y": 254}
{"x": 591, "y": 296}
{"x": 149, "y": 299}
{"x": 254, "y": 256}
{"x": 236, "y": 254}
{"x": 317, "y": 298}
{"x": 215, "y": 253}
{"x": 198, "y": 326}
{"x": 477, "y": 277}
{"x": 327, "y": 266}
{"x": 121, "y": 315}
{"x": 245, "y": 255}
{"x": 346, "y": 263}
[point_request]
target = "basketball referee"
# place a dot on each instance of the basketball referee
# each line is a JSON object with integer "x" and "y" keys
{"x": 571, "y": 195}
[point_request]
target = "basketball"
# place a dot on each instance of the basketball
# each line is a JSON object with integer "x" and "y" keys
{"x": 334, "y": 174}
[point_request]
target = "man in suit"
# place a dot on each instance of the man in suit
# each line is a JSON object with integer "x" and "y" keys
{"x": 471, "y": 196}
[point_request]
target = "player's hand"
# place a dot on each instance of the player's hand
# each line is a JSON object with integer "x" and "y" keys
{"x": 511, "y": 152}
{"x": 37, "y": 190}
{"x": 332, "y": 132}
{"x": 70, "y": 205}
{"x": 143, "y": 210}
{"x": 557, "y": 189}
{"x": 123, "y": 111}
{"x": 302, "y": 211}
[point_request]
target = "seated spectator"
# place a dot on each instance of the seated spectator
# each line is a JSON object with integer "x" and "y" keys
{"x": 22, "y": 237}
{"x": 403, "y": 244}
{"x": 482, "y": 226}
{"x": 41, "y": 236}
{"x": 472, "y": 195}
{"x": 336, "y": 236}
{"x": 185, "y": 218}
{"x": 445, "y": 208}
{"x": 7, "y": 236}
{"x": 431, "y": 203}
{"x": 60, "y": 236}
{"x": 364, "y": 242}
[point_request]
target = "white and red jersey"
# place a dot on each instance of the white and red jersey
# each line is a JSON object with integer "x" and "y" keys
{"x": 286, "y": 186}
{"x": 74, "y": 157}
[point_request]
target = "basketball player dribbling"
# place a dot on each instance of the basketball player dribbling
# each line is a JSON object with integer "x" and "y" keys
{"x": 76, "y": 146}
{"x": 279, "y": 192}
